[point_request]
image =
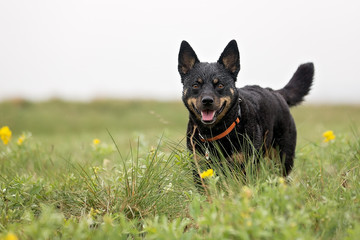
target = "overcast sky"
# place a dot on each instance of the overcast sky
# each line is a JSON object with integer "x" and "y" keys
{"x": 88, "y": 49}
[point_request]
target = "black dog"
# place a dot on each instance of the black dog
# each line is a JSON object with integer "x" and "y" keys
{"x": 230, "y": 117}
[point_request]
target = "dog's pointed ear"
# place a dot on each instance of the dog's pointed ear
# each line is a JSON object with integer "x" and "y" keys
{"x": 230, "y": 58}
{"x": 187, "y": 58}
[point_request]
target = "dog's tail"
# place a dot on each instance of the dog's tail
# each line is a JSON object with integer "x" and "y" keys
{"x": 299, "y": 85}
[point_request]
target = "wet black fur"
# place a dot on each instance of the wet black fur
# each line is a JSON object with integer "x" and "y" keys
{"x": 265, "y": 117}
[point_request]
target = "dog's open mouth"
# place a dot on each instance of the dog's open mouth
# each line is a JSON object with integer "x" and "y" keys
{"x": 208, "y": 116}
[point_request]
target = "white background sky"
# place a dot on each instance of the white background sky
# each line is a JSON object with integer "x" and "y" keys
{"x": 86, "y": 49}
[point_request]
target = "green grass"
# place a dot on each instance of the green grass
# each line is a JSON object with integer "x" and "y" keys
{"x": 137, "y": 183}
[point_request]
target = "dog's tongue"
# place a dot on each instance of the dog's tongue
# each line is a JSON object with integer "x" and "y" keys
{"x": 207, "y": 115}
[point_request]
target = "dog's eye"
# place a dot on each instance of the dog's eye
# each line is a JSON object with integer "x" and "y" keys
{"x": 220, "y": 86}
{"x": 195, "y": 86}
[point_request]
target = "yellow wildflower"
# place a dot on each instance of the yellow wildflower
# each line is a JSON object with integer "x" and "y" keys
{"x": 21, "y": 139}
{"x": 93, "y": 212}
{"x": 96, "y": 141}
{"x": 328, "y": 135}
{"x": 11, "y": 236}
{"x": 96, "y": 169}
{"x": 5, "y": 134}
{"x": 281, "y": 180}
{"x": 207, "y": 173}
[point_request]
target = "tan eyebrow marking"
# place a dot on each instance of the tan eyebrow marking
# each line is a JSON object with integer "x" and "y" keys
{"x": 200, "y": 80}
{"x": 215, "y": 81}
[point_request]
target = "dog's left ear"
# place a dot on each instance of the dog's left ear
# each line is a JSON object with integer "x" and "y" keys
{"x": 230, "y": 58}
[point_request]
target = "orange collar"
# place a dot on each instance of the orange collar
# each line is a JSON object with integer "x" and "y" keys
{"x": 221, "y": 135}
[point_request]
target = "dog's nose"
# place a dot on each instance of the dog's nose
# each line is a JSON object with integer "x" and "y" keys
{"x": 207, "y": 100}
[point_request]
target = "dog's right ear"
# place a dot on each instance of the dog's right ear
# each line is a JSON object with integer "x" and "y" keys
{"x": 187, "y": 58}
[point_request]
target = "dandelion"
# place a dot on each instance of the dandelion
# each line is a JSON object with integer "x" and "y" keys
{"x": 96, "y": 141}
{"x": 208, "y": 173}
{"x": 21, "y": 139}
{"x": 281, "y": 180}
{"x": 329, "y": 136}
{"x": 11, "y": 236}
{"x": 5, "y": 134}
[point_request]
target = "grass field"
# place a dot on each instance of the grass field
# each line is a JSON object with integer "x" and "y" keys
{"x": 119, "y": 170}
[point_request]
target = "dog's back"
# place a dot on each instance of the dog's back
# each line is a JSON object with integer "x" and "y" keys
{"x": 270, "y": 108}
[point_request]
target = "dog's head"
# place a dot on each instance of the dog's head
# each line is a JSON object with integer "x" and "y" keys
{"x": 209, "y": 88}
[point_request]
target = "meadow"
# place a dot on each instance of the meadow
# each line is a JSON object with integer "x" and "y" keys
{"x": 112, "y": 169}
